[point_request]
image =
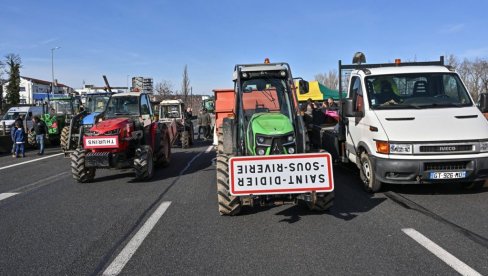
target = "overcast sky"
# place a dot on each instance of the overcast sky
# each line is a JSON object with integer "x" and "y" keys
{"x": 156, "y": 39}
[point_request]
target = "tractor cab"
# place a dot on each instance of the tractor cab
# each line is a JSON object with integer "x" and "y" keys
{"x": 266, "y": 110}
{"x": 170, "y": 110}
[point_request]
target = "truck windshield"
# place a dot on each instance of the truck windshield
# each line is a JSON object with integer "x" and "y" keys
{"x": 265, "y": 95}
{"x": 13, "y": 115}
{"x": 123, "y": 105}
{"x": 427, "y": 90}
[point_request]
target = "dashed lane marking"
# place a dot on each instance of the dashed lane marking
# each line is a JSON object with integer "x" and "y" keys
{"x": 6, "y": 195}
{"x": 124, "y": 256}
{"x": 441, "y": 253}
{"x": 30, "y": 161}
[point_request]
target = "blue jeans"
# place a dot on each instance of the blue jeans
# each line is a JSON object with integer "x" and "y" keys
{"x": 40, "y": 142}
{"x": 19, "y": 148}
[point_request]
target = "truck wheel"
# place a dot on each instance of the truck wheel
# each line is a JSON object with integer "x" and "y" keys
{"x": 229, "y": 205}
{"x": 164, "y": 152}
{"x": 323, "y": 203}
{"x": 64, "y": 138}
{"x": 143, "y": 164}
{"x": 185, "y": 139}
{"x": 78, "y": 170}
{"x": 473, "y": 186}
{"x": 371, "y": 184}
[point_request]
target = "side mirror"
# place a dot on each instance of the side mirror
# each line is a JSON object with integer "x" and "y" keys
{"x": 483, "y": 102}
{"x": 349, "y": 109}
{"x": 303, "y": 86}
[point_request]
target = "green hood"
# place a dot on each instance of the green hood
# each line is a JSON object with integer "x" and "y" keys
{"x": 271, "y": 124}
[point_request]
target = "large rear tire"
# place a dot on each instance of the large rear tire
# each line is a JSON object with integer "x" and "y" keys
{"x": 143, "y": 164}
{"x": 370, "y": 183}
{"x": 323, "y": 203}
{"x": 229, "y": 205}
{"x": 164, "y": 152}
{"x": 78, "y": 170}
{"x": 64, "y": 138}
{"x": 185, "y": 139}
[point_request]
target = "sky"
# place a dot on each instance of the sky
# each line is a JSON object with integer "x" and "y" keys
{"x": 156, "y": 39}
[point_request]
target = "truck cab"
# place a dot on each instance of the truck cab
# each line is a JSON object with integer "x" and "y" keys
{"x": 413, "y": 123}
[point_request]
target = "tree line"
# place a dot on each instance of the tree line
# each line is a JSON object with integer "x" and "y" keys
{"x": 473, "y": 72}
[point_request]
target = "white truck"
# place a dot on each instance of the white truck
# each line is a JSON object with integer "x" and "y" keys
{"x": 410, "y": 123}
{"x": 7, "y": 122}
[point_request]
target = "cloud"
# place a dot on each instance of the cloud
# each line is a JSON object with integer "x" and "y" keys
{"x": 452, "y": 29}
{"x": 47, "y": 41}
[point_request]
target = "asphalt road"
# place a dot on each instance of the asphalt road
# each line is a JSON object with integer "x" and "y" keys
{"x": 51, "y": 225}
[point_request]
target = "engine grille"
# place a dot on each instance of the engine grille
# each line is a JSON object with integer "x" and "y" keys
{"x": 446, "y": 166}
{"x": 447, "y": 148}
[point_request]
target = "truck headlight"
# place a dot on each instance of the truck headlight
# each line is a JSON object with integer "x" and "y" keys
{"x": 484, "y": 146}
{"x": 400, "y": 149}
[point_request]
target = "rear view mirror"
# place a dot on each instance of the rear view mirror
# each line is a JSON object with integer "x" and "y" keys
{"x": 349, "y": 109}
{"x": 483, "y": 102}
{"x": 303, "y": 86}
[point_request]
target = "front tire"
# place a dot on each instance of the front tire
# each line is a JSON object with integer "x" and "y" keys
{"x": 143, "y": 164}
{"x": 64, "y": 138}
{"x": 323, "y": 202}
{"x": 229, "y": 205}
{"x": 80, "y": 173}
{"x": 370, "y": 183}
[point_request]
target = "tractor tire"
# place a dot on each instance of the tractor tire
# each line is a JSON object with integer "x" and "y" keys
{"x": 473, "y": 186}
{"x": 144, "y": 165}
{"x": 64, "y": 138}
{"x": 164, "y": 152}
{"x": 31, "y": 139}
{"x": 370, "y": 183}
{"x": 80, "y": 173}
{"x": 185, "y": 139}
{"x": 229, "y": 205}
{"x": 323, "y": 203}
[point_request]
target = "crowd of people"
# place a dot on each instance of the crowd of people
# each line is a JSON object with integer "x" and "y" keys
{"x": 318, "y": 113}
{"x": 19, "y": 136}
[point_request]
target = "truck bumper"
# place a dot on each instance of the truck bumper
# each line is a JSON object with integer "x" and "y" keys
{"x": 398, "y": 171}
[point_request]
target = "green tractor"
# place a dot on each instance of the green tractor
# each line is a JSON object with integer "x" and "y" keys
{"x": 57, "y": 114}
{"x": 263, "y": 154}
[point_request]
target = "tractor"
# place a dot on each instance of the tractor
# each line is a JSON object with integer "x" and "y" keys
{"x": 57, "y": 114}
{"x": 262, "y": 152}
{"x": 94, "y": 105}
{"x": 126, "y": 137}
{"x": 172, "y": 113}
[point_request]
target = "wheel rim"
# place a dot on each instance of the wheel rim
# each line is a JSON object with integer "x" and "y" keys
{"x": 367, "y": 171}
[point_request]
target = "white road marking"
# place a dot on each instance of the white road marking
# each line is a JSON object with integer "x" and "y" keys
{"x": 30, "y": 161}
{"x": 442, "y": 254}
{"x": 124, "y": 256}
{"x": 209, "y": 149}
{"x": 38, "y": 183}
{"x": 6, "y": 195}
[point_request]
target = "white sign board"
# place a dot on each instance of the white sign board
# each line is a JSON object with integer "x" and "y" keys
{"x": 100, "y": 142}
{"x": 281, "y": 174}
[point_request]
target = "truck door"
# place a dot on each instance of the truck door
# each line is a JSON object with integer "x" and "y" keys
{"x": 356, "y": 124}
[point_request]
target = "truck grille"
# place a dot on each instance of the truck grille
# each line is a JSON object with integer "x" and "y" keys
{"x": 447, "y": 148}
{"x": 446, "y": 166}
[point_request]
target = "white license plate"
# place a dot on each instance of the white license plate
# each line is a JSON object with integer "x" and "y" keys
{"x": 100, "y": 142}
{"x": 281, "y": 174}
{"x": 447, "y": 175}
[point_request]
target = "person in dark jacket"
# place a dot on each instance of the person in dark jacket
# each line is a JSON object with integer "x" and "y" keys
{"x": 40, "y": 129}
{"x": 19, "y": 137}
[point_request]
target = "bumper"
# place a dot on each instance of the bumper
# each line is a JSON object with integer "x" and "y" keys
{"x": 107, "y": 160}
{"x": 397, "y": 171}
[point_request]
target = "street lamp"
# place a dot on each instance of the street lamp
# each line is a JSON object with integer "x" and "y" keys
{"x": 52, "y": 70}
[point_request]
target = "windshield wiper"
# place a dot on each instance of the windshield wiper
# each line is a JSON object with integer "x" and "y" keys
{"x": 398, "y": 106}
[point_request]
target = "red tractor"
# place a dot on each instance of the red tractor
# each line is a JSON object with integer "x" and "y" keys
{"x": 125, "y": 135}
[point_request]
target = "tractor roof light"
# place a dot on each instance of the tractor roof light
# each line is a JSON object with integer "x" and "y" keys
{"x": 398, "y": 61}
{"x": 266, "y": 61}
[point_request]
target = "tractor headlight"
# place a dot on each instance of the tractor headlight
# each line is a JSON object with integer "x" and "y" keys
{"x": 260, "y": 139}
{"x": 400, "y": 149}
{"x": 291, "y": 150}
{"x": 112, "y": 132}
{"x": 261, "y": 151}
{"x": 290, "y": 138}
{"x": 484, "y": 146}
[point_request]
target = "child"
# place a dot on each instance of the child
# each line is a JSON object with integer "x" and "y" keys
{"x": 12, "y": 136}
{"x": 19, "y": 140}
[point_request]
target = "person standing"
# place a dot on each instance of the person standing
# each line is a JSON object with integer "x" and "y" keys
{"x": 206, "y": 120}
{"x": 199, "y": 124}
{"x": 19, "y": 140}
{"x": 40, "y": 129}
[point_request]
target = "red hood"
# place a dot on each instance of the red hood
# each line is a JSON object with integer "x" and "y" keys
{"x": 110, "y": 124}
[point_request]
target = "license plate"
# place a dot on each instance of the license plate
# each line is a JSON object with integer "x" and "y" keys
{"x": 281, "y": 174}
{"x": 100, "y": 142}
{"x": 447, "y": 175}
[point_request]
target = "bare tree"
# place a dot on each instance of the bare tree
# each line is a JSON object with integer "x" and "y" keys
{"x": 185, "y": 85}
{"x": 330, "y": 79}
{"x": 164, "y": 89}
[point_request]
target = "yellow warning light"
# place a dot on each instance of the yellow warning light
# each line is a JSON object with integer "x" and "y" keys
{"x": 398, "y": 61}
{"x": 266, "y": 61}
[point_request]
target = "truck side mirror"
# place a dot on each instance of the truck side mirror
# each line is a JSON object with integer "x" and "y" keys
{"x": 303, "y": 86}
{"x": 349, "y": 110}
{"x": 483, "y": 101}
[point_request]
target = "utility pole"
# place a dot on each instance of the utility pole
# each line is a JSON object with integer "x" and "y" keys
{"x": 52, "y": 70}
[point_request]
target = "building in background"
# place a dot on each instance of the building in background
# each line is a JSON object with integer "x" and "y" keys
{"x": 141, "y": 84}
{"x": 35, "y": 90}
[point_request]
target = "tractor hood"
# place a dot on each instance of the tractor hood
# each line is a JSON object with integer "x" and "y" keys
{"x": 110, "y": 124}
{"x": 90, "y": 118}
{"x": 270, "y": 124}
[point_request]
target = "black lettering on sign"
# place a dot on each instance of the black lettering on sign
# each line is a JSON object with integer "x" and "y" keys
{"x": 291, "y": 167}
{"x": 316, "y": 166}
{"x": 252, "y": 169}
{"x": 321, "y": 178}
{"x": 239, "y": 169}
{"x": 240, "y": 181}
